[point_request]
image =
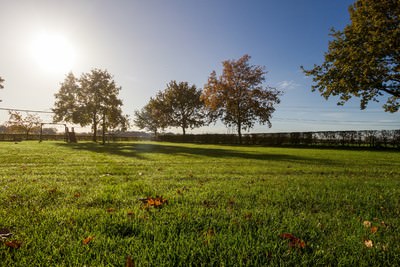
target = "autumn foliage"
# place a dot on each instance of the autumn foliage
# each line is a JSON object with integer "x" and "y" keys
{"x": 156, "y": 202}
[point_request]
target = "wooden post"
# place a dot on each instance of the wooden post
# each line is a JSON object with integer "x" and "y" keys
{"x": 41, "y": 132}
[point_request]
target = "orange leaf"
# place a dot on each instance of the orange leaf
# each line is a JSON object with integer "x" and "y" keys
{"x": 15, "y": 244}
{"x": 156, "y": 202}
{"x": 87, "y": 240}
{"x": 294, "y": 241}
{"x": 110, "y": 210}
{"x": 77, "y": 195}
{"x": 374, "y": 229}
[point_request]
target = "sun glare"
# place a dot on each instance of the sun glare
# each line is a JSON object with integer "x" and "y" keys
{"x": 53, "y": 53}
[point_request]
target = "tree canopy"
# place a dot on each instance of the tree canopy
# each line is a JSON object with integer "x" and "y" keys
{"x": 150, "y": 117}
{"x": 183, "y": 107}
{"x": 179, "y": 105}
{"x": 238, "y": 96}
{"x": 90, "y": 100}
{"x": 17, "y": 123}
{"x": 363, "y": 60}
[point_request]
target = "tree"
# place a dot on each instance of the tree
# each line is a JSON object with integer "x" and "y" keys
{"x": 238, "y": 96}
{"x": 90, "y": 100}
{"x": 150, "y": 117}
{"x": 182, "y": 106}
{"x": 1, "y": 84}
{"x": 20, "y": 124}
{"x": 363, "y": 60}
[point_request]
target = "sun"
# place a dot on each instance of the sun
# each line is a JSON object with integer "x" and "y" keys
{"x": 53, "y": 52}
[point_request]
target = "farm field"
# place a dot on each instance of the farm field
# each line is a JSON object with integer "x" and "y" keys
{"x": 91, "y": 205}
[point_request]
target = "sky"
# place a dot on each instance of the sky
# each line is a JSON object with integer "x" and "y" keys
{"x": 145, "y": 44}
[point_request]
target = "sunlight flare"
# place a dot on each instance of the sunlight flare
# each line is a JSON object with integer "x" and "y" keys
{"x": 53, "y": 52}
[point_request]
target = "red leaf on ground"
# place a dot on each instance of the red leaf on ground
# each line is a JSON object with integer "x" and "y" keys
{"x": 294, "y": 241}
{"x": 156, "y": 202}
{"x": 87, "y": 240}
{"x": 15, "y": 244}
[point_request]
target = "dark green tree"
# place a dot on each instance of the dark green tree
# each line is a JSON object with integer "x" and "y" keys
{"x": 363, "y": 60}
{"x": 90, "y": 100}
{"x": 238, "y": 96}
{"x": 150, "y": 117}
{"x": 183, "y": 107}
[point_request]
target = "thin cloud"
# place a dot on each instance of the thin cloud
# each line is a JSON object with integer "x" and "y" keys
{"x": 287, "y": 85}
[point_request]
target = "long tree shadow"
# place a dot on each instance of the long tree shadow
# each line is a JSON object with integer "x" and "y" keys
{"x": 143, "y": 150}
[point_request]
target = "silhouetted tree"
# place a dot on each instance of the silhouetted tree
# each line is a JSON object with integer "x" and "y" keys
{"x": 150, "y": 117}
{"x": 90, "y": 100}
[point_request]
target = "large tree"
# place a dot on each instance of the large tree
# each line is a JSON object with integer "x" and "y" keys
{"x": 150, "y": 117}
{"x": 238, "y": 96}
{"x": 183, "y": 107}
{"x": 90, "y": 100}
{"x": 363, "y": 60}
{"x": 17, "y": 123}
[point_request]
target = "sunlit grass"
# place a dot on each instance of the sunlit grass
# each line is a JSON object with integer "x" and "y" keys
{"x": 227, "y": 205}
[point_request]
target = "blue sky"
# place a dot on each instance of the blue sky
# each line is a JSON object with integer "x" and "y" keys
{"x": 145, "y": 44}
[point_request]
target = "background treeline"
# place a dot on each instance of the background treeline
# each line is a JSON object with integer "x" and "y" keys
{"x": 365, "y": 138}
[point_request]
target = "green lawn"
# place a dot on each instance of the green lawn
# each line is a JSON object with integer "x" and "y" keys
{"x": 227, "y": 205}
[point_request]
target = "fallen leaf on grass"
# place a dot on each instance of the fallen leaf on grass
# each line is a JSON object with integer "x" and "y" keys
{"x": 77, "y": 195}
{"x": 15, "y": 244}
{"x": 129, "y": 262}
{"x": 294, "y": 241}
{"x": 156, "y": 202}
{"x": 368, "y": 243}
{"x": 374, "y": 229}
{"x": 367, "y": 224}
{"x": 110, "y": 210}
{"x": 87, "y": 240}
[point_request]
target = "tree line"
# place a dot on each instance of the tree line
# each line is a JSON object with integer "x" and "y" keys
{"x": 237, "y": 97}
{"x": 363, "y": 61}
{"x": 354, "y": 139}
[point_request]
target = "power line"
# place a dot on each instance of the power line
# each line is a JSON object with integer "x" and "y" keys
{"x": 27, "y": 110}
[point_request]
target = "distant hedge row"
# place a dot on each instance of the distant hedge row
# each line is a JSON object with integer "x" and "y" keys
{"x": 384, "y": 138}
{"x": 376, "y": 139}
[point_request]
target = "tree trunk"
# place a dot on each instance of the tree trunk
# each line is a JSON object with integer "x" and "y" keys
{"x": 184, "y": 131}
{"x": 104, "y": 128}
{"x": 240, "y": 132}
{"x": 94, "y": 129}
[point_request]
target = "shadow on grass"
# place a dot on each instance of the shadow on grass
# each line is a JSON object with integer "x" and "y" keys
{"x": 142, "y": 150}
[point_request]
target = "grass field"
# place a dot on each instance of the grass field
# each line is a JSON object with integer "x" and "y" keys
{"x": 85, "y": 204}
